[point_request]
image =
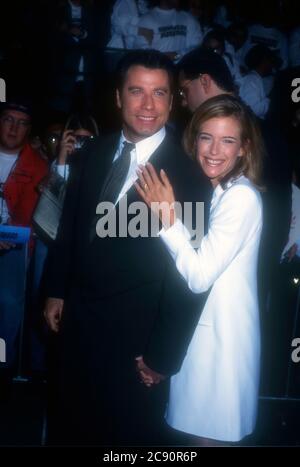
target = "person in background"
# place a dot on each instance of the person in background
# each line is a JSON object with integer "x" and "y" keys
{"x": 203, "y": 74}
{"x": 204, "y": 11}
{"x": 237, "y": 35}
{"x": 260, "y": 61}
{"x": 21, "y": 172}
{"x": 175, "y": 31}
{"x": 124, "y": 23}
{"x": 215, "y": 40}
{"x": 74, "y": 49}
{"x": 78, "y": 130}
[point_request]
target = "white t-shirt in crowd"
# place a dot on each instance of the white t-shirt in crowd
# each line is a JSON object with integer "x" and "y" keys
{"x": 76, "y": 12}
{"x": 124, "y": 20}
{"x": 253, "y": 93}
{"x": 174, "y": 31}
{"x": 272, "y": 38}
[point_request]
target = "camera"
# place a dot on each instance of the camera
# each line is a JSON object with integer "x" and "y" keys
{"x": 81, "y": 141}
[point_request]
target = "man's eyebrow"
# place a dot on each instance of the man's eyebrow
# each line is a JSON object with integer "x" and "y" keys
{"x": 160, "y": 88}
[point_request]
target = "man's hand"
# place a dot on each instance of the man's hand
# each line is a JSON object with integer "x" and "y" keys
{"x": 52, "y": 312}
{"x": 148, "y": 376}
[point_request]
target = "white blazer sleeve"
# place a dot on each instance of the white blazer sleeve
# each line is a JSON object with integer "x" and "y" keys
{"x": 233, "y": 221}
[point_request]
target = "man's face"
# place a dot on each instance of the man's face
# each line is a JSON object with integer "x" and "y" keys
{"x": 145, "y": 101}
{"x": 14, "y": 130}
{"x": 192, "y": 92}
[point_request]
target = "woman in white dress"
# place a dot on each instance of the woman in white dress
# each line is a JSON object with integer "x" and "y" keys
{"x": 214, "y": 395}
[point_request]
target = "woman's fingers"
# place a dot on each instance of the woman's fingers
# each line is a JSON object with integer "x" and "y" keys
{"x": 67, "y": 133}
{"x": 69, "y": 147}
{"x": 141, "y": 192}
{"x": 153, "y": 174}
{"x": 68, "y": 137}
{"x": 165, "y": 179}
{"x": 147, "y": 177}
{"x": 142, "y": 180}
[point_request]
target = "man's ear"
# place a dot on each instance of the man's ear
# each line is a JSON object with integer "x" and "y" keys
{"x": 205, "y": 80}
{"x": 118, "y": 99}
{"x": 171, "y": 103}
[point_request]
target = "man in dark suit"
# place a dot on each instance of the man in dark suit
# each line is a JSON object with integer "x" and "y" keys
{"x": 117, "y": 298}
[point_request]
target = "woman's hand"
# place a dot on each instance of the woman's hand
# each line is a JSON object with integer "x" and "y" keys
{"x": 157, "y": 192}
{"x": 66, "y": 146}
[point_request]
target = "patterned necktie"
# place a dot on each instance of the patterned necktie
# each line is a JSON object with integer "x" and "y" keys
{"x": 116, "y": 177}
{"x": 114, "y": 181}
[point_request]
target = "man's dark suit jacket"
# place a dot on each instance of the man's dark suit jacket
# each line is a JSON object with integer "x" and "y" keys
{"x": 124, "y": 298}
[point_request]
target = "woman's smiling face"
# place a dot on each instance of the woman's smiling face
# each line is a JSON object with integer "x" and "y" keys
{"x": 219, "y": 146}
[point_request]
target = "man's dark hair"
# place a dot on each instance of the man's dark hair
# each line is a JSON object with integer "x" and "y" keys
{"x": 152, "y": 59}
{"x": 202, "y": 61}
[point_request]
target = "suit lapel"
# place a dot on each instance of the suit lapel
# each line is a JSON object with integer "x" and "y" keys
{"x": 100, "y": 162}
{"x": 97, "y": 166}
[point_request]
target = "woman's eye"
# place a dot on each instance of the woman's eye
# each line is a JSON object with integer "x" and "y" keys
{"x": 204, "y": 138}
{"x": 230, "y": 141}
